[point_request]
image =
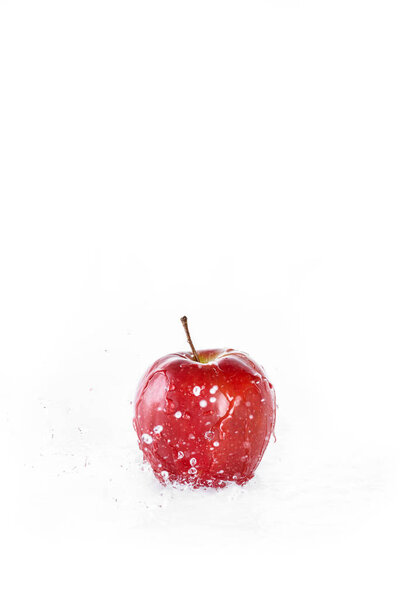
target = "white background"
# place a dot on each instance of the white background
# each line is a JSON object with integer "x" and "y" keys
{"x": 237, "y": 162}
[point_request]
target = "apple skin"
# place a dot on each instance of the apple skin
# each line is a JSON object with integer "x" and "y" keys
{"x": 204, "y": 423}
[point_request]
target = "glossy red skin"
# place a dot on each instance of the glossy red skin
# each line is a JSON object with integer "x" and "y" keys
{"x": 208, "y": 445}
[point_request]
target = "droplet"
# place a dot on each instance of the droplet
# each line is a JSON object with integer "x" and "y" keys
{"x": 178, "y": 414}
{"x": 213, "y": 399}
{"x": 203, "y": 403}
{"x": 213, "y": 389}
{"x": 180, "y": 455}
{"x": 192, "y": 471}
{"x": 196, "y": 390}
{"x": 193, "y": 461}
{"x": 216, "y": 444}
{"x": 147, "y": 438}
{"x": 158, "y": 429}
{"x": 209, "y": 435}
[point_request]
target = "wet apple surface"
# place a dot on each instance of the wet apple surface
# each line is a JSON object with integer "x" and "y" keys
{"x": 204, "y": 422}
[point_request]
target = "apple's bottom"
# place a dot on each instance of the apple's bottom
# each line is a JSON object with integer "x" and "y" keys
{"x": 198, "y": 482}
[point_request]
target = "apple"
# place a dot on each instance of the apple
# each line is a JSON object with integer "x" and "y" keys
{"x": 204, "y": 418}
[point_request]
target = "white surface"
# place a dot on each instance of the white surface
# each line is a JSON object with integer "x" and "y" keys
{"x": 238, "y": 163}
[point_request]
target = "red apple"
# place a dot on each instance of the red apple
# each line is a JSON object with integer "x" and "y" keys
{"x": 204, "y": 418}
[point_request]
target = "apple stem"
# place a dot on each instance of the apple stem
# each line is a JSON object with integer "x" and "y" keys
{"x": 189, "y": 339}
